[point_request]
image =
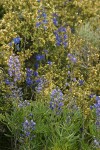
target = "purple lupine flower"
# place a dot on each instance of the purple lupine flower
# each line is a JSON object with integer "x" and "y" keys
{"x": 23, "y": 104}
{"x": 16, "y": 93}
{"x": 56, "y": 100}
{"x": 97, "y": 143}
{"x": 60, "y": 104}
{"x": 32, "y": 124}
{"x": 98, "y": 98}
{"x": 40, "y": 84}
{"x": 14, "y": 67}
{"x": 11, "y": 66}
{"x": 27, "y": 134}
{"x": 7, "y": 81}
{"x": 97, "y": 107}
{"x": 25, "y": 124}
{"x": 28, "y": 127}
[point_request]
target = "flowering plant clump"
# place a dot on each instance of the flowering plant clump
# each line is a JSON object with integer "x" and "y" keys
{"x": 56, "y": 100}
{"x": 50, "y": 67}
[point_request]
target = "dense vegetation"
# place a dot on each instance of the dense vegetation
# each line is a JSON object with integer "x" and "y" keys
{"x": 50, "y": 75}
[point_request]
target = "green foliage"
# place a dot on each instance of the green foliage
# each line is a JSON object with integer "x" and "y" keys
{"x": 46, "y": 45}
{"x": 52, "y": 131}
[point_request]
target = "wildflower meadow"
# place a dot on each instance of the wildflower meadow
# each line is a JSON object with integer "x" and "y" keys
{"x": 49, "y": 75}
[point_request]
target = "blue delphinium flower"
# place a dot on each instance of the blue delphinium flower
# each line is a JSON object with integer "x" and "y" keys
{"x": 56, "y": 102}
{"x": 40, "y": 57}
{"x": 55, "y": 19}
{"x": 35, "y": 73}
{"x": 61, "y": 37}
{"x": 38, "y": 80}
{"x": 58, "y": 38}
{"x": 62, "y": 29}
{"x": 29, "y": 74}
{"x": 36, "y": 65}
{"x": 42, "y": 18}
{"x": 29, "y": 81}
{"x": 17, "y": 40}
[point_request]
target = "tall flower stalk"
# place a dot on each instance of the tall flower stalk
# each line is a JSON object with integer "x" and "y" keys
{"x": 14, "y": 70}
